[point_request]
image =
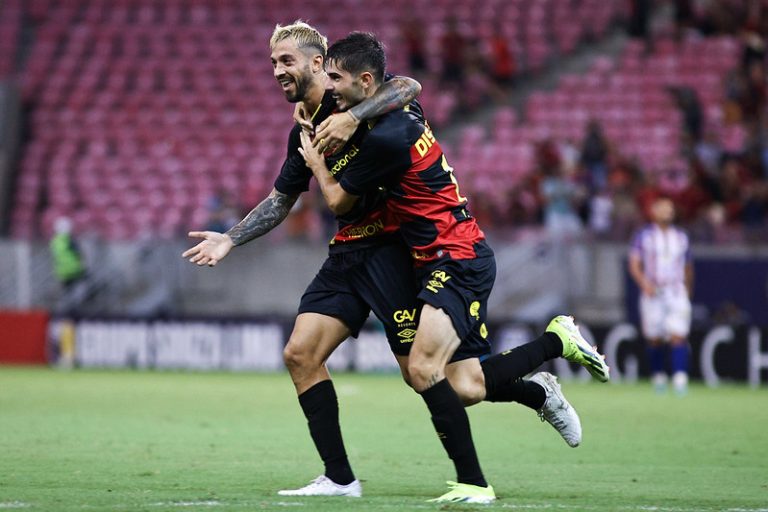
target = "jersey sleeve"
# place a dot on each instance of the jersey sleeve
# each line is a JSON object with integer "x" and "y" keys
{"x": 383, "y": 157}
{"x": 294, "y": 176}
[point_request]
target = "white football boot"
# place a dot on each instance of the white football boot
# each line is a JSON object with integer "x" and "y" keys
{"x": 557, "y": 411}
{"x": 680, "y": 383}
{"x": 324, "y": 486}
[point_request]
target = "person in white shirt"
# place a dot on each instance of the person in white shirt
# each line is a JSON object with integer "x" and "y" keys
{"x": 660, "y": 264}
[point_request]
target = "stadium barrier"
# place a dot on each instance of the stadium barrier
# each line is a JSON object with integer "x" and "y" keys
{"x": 23, "y": 337}
{"x": 720, "y": 353}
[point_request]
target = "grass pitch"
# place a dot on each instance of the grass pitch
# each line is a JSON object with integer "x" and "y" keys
{"x": 130, "y": 441}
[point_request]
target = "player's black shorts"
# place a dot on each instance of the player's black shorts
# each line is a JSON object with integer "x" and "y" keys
{"x": 351, "y": 284}
{"x": 461, "y": 288}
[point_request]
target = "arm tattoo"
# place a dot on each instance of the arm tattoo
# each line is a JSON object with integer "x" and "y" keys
{"x": 268, "y": 214}
{"x": 394, "y": 94}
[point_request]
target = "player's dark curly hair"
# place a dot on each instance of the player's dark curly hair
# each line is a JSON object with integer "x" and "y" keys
{"x": 359, "y": 52}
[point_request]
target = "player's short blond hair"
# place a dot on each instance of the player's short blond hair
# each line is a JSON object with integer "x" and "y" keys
{"x": 304, "y": 34}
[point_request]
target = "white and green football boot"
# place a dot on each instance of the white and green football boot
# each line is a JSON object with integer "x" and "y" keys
{"x": 577, "y": 350}
{"x": 557, "y": 411}
{"x": 324, "y": 486}
{"x": 466, "y": 493}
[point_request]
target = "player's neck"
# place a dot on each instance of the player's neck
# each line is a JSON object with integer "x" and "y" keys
{"x": 371, "y": 90}
{"x": 314, "y": 97}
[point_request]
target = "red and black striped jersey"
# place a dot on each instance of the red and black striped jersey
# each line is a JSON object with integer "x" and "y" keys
{"x": 398, "y": 153}
{"x": 366, "y": 224}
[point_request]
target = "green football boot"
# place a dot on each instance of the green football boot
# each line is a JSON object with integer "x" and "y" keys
{"x": 466, "y": 493}
{"x": 577, "y": 350}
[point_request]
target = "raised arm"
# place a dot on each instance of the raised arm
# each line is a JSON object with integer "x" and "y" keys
{"x": 335, "y": 131}
{"x": 262, "y": 219}
{"x": 393, "y": 94}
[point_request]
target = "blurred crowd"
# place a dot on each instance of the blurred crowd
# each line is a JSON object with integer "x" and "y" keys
{"x": 590, "y": 188}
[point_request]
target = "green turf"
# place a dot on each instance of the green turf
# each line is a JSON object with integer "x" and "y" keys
{"x": 125, "y": 441}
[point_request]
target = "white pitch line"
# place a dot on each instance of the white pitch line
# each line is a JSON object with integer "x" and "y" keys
{"x": 643, "y": 508}
{"x": 14, "y": 504}
{"x": 207, "y": 503}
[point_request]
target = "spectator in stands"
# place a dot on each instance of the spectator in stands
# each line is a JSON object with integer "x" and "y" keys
{"x": 601, "y": 214}
{"x": 594, "y": 151}
{"x": 223, "y": 212}
{"x": 560, "y": 196}
{"x": 689, "y": 104}
{"x": 69, "y": 267}
{"x": 477, "y": 79}
{"x": 719, "y": 18}
{"x": 754, "y": 36}
{"x": 453, "y": 47}
{"x": 503, "y": 64}
{"x": 684, "y": 17}
{"x": 709, "y": 153}
{"x": 733, "y": 178}
{"x": 692, "y": 199}
{"x": 413, "y": 39}
{"x": 753, "y": 213}
{"x": 640, "y": 21}
{"x": 623, "y": 182}
{"x": 753, "y": 102}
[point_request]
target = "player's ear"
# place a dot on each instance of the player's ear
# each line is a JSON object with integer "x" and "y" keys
{"x": 317, "y": 63}
{"x": 366, "y": 79}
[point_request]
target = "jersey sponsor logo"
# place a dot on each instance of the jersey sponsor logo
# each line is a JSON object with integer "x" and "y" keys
{"x": 484, "y": 333}
{"x": 364, "y": 231}
{"x": 439, "y": 278}
{"x": 425, "y": 142}
{"x": 404, "y": 315}
{"x": 407, "y": 335}
{"x": 343, "y": 161}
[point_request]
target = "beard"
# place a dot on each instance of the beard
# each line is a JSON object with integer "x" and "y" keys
{"x": 302, "y": 85}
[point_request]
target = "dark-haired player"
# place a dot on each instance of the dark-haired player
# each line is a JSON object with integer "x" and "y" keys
{"x": 456, "y": 268}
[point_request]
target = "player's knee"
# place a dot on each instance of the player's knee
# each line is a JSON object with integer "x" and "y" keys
{"x": 296, "y": 357}
{"x": 423, "y": 373}
{"x": 406, "y": 376}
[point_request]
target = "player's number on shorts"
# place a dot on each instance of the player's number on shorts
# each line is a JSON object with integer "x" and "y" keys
{"x": 447, "y": 168}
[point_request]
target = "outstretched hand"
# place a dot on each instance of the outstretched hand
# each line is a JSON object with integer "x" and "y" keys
{"x": 334, "y": 132}
{"x": 214, "y": 247}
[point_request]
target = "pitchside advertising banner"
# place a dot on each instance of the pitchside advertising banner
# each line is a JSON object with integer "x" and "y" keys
{"x": 720, "y": 353}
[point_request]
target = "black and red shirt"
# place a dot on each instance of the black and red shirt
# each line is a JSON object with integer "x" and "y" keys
{"x": 398, "y": 153}
{"x": 366, "y": 225}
